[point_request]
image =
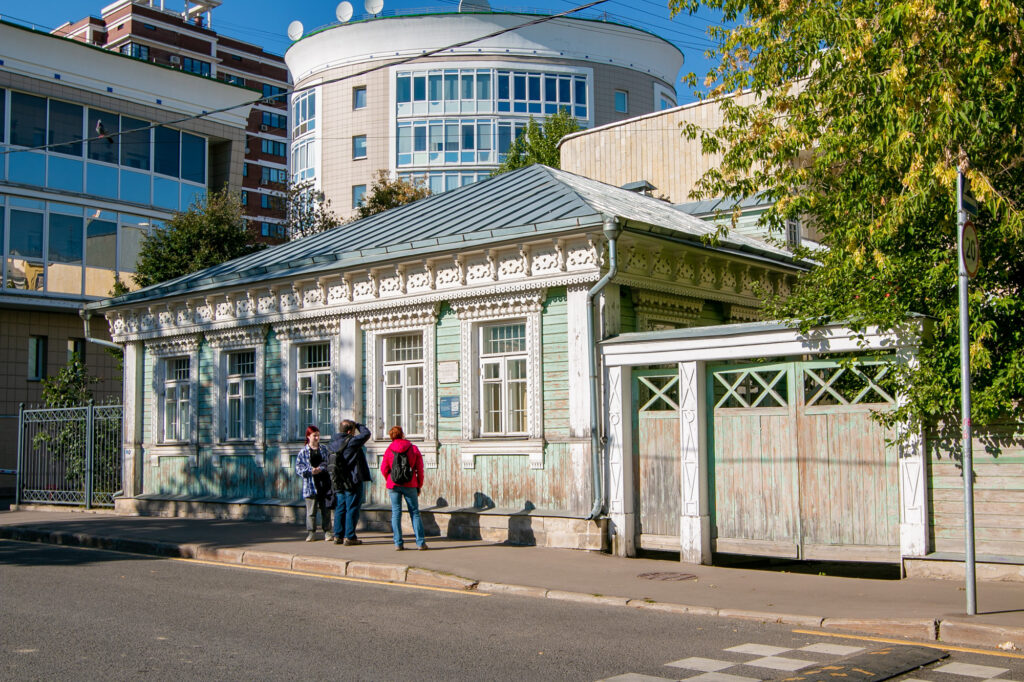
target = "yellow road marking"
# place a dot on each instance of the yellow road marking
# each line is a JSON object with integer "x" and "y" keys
{"x": 885, "y": 640}
{"x": 288, "y": 571}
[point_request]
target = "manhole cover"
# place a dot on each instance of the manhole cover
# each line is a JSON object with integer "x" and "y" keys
{"x": 667, "y": 576}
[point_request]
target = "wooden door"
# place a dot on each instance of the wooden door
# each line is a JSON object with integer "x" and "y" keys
{"x": 657, "y": 466}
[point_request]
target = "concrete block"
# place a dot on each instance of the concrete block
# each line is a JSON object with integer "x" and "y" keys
{"x": 912, "y": 628}
{"x": 394, "y": 573}
{"x": 224, "y": 555}
{"x": 267, "y": 559}
{"x": 672, "y": 608}
{"x": 423, "y": 576}
{"x": 954, "y": 570}
{"x": 188, "y": 551}
{"x": 517, "y": 590}
{"x": 981, "y": 634}
{"x": 320, "y": 565}
{"x": 770, "y": 617}
{"x": 585, "y": 598}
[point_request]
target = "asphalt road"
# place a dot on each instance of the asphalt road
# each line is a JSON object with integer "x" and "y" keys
{"x": 68, "y": 613}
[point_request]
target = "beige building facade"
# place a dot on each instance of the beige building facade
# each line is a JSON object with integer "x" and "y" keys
{"x": 448, "y": 119}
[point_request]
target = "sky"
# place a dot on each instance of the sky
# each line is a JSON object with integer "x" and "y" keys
{"x": 265, "y": 22}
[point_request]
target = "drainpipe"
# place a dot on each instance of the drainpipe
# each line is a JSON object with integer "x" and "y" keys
{"x": 86, "y": 315}
{"x": 612, "y": 230}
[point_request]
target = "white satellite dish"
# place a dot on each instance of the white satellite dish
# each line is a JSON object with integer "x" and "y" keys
{"x": 295, "y": 30}
{"x": 344, "y": 11}
{"x": 373, "y": 6}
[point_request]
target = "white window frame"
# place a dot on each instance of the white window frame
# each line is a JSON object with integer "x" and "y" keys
{"x": 163, "y": 352}
{"x": 377, "y": 328}
{"x": 401, "y": 369}
{"x": 475, "y": 314}
{"x": 223, "y": 344}
{"x": 313, "y": 374}
{"x": 663, "y": 93}
{"x": 291, "y": 336}
{"x": 625, "y": 99}
{"x": 501, "y": 361}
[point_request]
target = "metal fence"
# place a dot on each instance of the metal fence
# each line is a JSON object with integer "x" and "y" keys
{"x": 69, "y": 455}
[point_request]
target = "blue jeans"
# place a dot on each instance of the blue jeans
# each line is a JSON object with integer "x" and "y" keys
{"x": 348, "y": 508}
{"x": 412, "y": 501}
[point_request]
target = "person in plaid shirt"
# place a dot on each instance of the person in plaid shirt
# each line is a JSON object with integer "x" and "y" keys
{"x": 311, "y": 464}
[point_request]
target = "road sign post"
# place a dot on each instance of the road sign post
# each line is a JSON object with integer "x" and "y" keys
{"x": 968, "y": 261}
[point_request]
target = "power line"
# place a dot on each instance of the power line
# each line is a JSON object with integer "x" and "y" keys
{"x": 331, "y": 81}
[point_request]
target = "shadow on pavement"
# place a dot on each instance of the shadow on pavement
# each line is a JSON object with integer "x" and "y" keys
{"x": 16, "y": 553}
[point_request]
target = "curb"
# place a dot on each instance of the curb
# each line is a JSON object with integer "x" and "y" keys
{"x": 948, "y": 631}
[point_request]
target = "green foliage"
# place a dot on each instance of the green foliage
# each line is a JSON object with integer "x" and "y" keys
{"x": 387, "y": 193}
{"x": 309, "y": 211}
{"x": 893, "y": 99}
{"x": 70, "y": 386}
{"x": 210, "y": 232}
{"x": 538, "y": 143}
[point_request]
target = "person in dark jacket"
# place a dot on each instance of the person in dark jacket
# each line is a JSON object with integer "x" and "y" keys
{"x": 410, "y": 490}
{"x": 349, "y": 472}
{"x": 311, "y": 465}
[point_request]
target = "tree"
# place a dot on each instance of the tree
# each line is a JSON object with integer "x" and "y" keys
{"x": 211, "y": 231}
{"x": 538, "y": 143}
{"x": 387, "y": 192}
{"x": 308, "y": 210}
{"x": 862, "y": 115}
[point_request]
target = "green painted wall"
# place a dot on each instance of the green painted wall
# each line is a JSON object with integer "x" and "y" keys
{"x": 555, "y": 364}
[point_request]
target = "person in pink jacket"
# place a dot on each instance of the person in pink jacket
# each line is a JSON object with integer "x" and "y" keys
{"x": 403, "y": 461}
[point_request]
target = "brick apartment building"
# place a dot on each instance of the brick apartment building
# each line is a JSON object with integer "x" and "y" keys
{"x": 186, "y": 40}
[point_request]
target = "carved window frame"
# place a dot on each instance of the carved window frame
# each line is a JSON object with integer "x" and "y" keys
{"x": 376, "y": 328}
{"x": 292, "y": 335}
{"x": 223, "y": 343}
{"x": 163, "y": 351}
{"x": 473, "y": 314}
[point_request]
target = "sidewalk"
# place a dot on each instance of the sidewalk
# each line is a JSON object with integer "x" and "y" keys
{"x": 918, "y": 609}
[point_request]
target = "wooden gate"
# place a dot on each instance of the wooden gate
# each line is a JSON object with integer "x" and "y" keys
{"x": 656, "y": 471}
{"x": 801, "y": 469}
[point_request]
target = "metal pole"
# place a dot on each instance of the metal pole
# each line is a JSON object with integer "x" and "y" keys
{"x": 965, "y": 406}
{"x": 21, "y": 463}
{"x": 88, "y": 454}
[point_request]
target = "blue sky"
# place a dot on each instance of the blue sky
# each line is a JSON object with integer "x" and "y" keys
{"x": 264, "y": 22}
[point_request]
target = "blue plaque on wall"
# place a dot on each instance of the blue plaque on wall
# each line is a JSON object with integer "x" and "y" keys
{"x": 450, "y": 406}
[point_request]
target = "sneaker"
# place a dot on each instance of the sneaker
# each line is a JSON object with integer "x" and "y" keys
{"x": 328, "y": 537}
{"x": 337, "y": 539}
{"x": 423, "y": 546}
{"x": 399, "y": 548}
{"x": 310, "y": 537}
{"x": 353, "y": 541}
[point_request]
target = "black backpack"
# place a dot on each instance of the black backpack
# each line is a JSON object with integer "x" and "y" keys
{"x": 401, "y": 471}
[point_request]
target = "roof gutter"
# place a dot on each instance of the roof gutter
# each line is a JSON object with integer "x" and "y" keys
{"x": 612, "y": 230}
{"x": 86, "y": 315}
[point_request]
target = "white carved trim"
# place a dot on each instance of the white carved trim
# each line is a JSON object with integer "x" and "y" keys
{"x": 161, "y": 351}
{"x": 377, "y": 327}
{"x": 532, "y": 448}
{"x": 175, "y": 346}
{"x": 579, "y": 365}
{"x": 695, "y": 521}
{"x": 654, "y": 309}
{"x": 223, "y": 343}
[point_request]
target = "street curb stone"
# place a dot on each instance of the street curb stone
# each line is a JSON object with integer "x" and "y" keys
{"x": 585, "y": 598}
{"x": 518, "y": 590}
{"x": 320, "y": 565}
{"x": 394, "y": 573}
{"x": 263, "y": 559}
{"x": 768, "y": 617}
{"x": 978, "y": 634}
{"x": 912, "y": 628}
{"x": 224, "y": 555}
{"x": 429, "y": 578}
{"x": 673, "y": 608}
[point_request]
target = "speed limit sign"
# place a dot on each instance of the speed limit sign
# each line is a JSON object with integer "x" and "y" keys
{"x": 969, "y": 251}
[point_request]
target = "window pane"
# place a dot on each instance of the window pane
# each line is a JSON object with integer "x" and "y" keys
{"x": 165, "y": 151}
{"x": 505, "y": 339}
{"x": 358, "y": 146}
{"x": 393, "y": 405}
{"x": 103, "y": 123}
{"x": 492, "y": 408}
{"x": 467, "y": 136}
{"x": 26, "y": 234}
{"x": 435, "y": 87}
{"x": 467, "y": 86}
{"x": 483, "y": 86}
{"x": 419, "y": 88}
{"x": 534, "y": 87}
{"x": 451, "y": 134}
{"x": 404, "y": 90}
{"x": 135, "y": 145}
{"x": 414, "y": 423}
{"x": 28, "y": 120}
{"x": 101, "y": 244}
{"x": 66, "y": 126}
{"x": 65, "y": 239}
{"x": 193, "y": 159}
{"x": 451, "y": 86}
{"x": 130, "y": 245}
{"x": 315, "y": 356}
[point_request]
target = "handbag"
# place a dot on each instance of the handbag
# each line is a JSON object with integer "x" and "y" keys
{"x": 330, "y": 499}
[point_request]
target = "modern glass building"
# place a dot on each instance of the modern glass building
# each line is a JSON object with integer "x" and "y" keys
{"x": 449, "y": 119}
{"x": 86, "y": 171}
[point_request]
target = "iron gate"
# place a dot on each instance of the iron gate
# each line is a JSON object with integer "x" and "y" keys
{"x": 69, "y": 455}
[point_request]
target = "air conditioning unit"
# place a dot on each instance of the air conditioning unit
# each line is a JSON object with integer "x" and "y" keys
{"x": 264, "y": 127}
{"x": 175, "y": 59}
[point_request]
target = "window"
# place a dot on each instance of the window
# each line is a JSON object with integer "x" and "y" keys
{"x": 272, "y": 175}
{"x": 65, "y": 127}
{"x": 274, "y": 120}
{"x": 28, "y": 120}
{"x": 358, "y": 192}
{"x": 135, "y": 50}
{"x": 104, "y": 125}
{"x": 403, "y": 382}
{"x": 359, "y": 97}
{"x": 245, "y": 198}
{"x": 233, "y": 79}
{"x": 76, "y": 347}
{"x": 271, "y": 90}
{"x": 314, "y": 387}
{"x": 503, "y": 379}
{"x": 166, "y": 146}
{"x": 135, "y": 143}
{"x": 621, "y": 101}
{"x": 304, "y": 160}
{"x": 304, "y": 113}
{"x": 177, "y": 399}
{"x": 359, "y": 147}
{"x": 273, "y": 148}
{"x": 273, "y": 230}
{"x": 196, "y": 66}
{"x": 241, "y": 396}
{"x": 36, "y": 358}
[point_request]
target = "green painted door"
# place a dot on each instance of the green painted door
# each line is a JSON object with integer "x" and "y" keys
{"x": 801, "y": 469}
{"x": 657, "y": 466}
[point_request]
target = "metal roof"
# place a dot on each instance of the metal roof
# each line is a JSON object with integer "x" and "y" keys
{"x": 505, "y": 208}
